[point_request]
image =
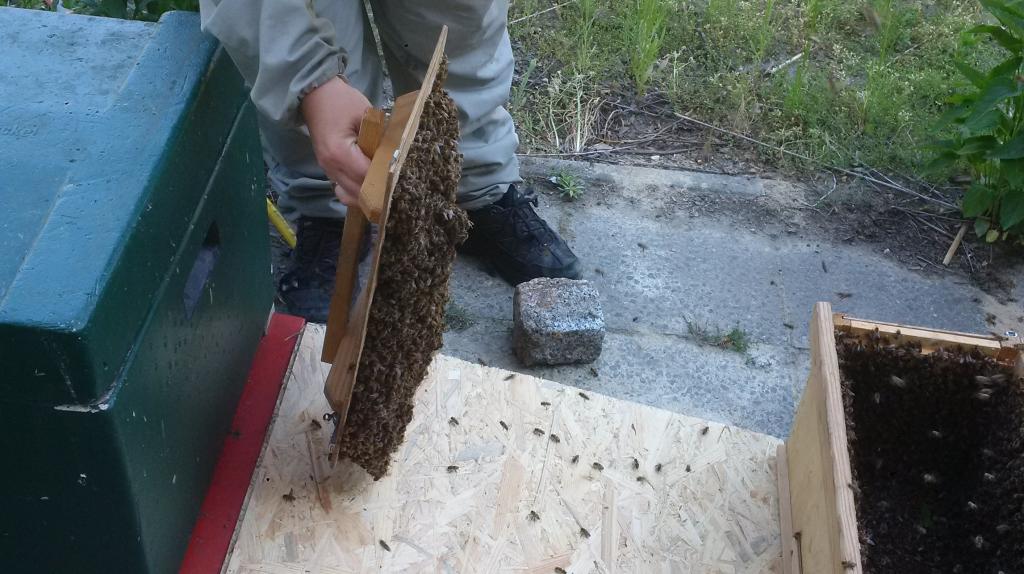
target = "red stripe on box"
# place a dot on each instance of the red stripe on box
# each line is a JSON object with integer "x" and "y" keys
{"x": 215, "y": 526}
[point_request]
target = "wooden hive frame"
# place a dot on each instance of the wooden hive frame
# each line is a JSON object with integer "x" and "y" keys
{"x": 817, "y": 513}
{"x": 386, "y": 140}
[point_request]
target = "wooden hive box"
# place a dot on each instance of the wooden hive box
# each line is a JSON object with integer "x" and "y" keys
{"x": 819, "y": 522}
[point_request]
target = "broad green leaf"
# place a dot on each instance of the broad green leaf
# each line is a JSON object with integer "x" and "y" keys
{"x": 955, "y": 114}
{"x": 942, "y": 161}
{"x": 1013, "y": 171}
{"x": 1013, "y": 149}
{"x": 981, "y": 226}
{"x": 1010, "y": 16}
{"x": 975, "y": 77}
{"x": 978, "y": 200}
{"x": 978, "y": 144}
{"x": 983, "y": 124}
{"x": 1007, "y": 67}
{"x": 1001, "y": 35}
{"x": 1011, "y": 210}
{"x": 997, "y": 91}
{"x": 992, "y": 235}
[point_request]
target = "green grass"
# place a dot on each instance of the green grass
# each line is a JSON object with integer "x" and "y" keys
{"x": 643, "y": 34}
{"x": 736, "y": 339}
{"x": 868, "y": 88}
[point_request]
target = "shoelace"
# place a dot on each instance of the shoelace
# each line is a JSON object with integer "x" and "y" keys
{"x": 524, "y": 220}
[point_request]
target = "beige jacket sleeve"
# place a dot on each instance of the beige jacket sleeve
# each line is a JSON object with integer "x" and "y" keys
{"x": 282, "y": 48}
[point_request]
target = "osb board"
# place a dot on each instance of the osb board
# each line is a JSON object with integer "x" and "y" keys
{"x": 712, "y": 508}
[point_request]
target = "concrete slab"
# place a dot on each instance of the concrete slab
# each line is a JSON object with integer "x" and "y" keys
{"x": 667, "y": 249}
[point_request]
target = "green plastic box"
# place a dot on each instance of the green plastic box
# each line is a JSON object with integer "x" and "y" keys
{"x": 134, "y": 284}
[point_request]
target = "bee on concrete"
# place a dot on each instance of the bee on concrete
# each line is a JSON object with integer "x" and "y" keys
{"x": 453, "y": 422}
{"x": 554, "y": 438}
{"x": 545, "y": 404}
{"x": 384, "y": 545}
{"x": 509, "y": 377}
{"x": 636, "y": 464}
{"x": 597, "y": 466}
{"x": 533, "y": 516}
{"x": 452, "y": 469}
{"x": 657, "y": 467}
{"x": 538, "y": 432}
{"x": 688, "y": 469}
{"x": 559, "y": 570}
{"x": 704, "y": 431}
{"x": 585, "y": 396}
{"x": 503, "y": 424}
{"x": 641, "y": 479}
{"x": 584, "y": 532}
{"x": 575, "y": 458}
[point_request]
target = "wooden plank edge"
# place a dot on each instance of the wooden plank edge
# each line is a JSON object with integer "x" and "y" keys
{"x": 790, "y": 544}
{"x": 417, "y": 111}
{"x": 371, "y": 136}
{"x": 1004, "y": 349}
{"x": 849, "y": 540}
{"x": 345, "y": 277}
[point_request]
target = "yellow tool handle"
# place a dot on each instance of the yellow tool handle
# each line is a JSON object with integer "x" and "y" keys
{"x": 280, "y": 224}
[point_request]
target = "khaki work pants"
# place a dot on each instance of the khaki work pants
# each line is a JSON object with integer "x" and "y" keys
{"x": 480, "y": 67}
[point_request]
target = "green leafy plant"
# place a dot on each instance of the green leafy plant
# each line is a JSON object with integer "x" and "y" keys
{"x": 988, "y": 123}
{"x": 569, "y": 185}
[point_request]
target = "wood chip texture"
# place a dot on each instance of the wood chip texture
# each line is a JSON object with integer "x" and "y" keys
{"x": 712, "y": 509}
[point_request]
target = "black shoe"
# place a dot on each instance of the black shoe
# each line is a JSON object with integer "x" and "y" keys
{"x": 519, "y": 244}
{"x": 307, "y": 286}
